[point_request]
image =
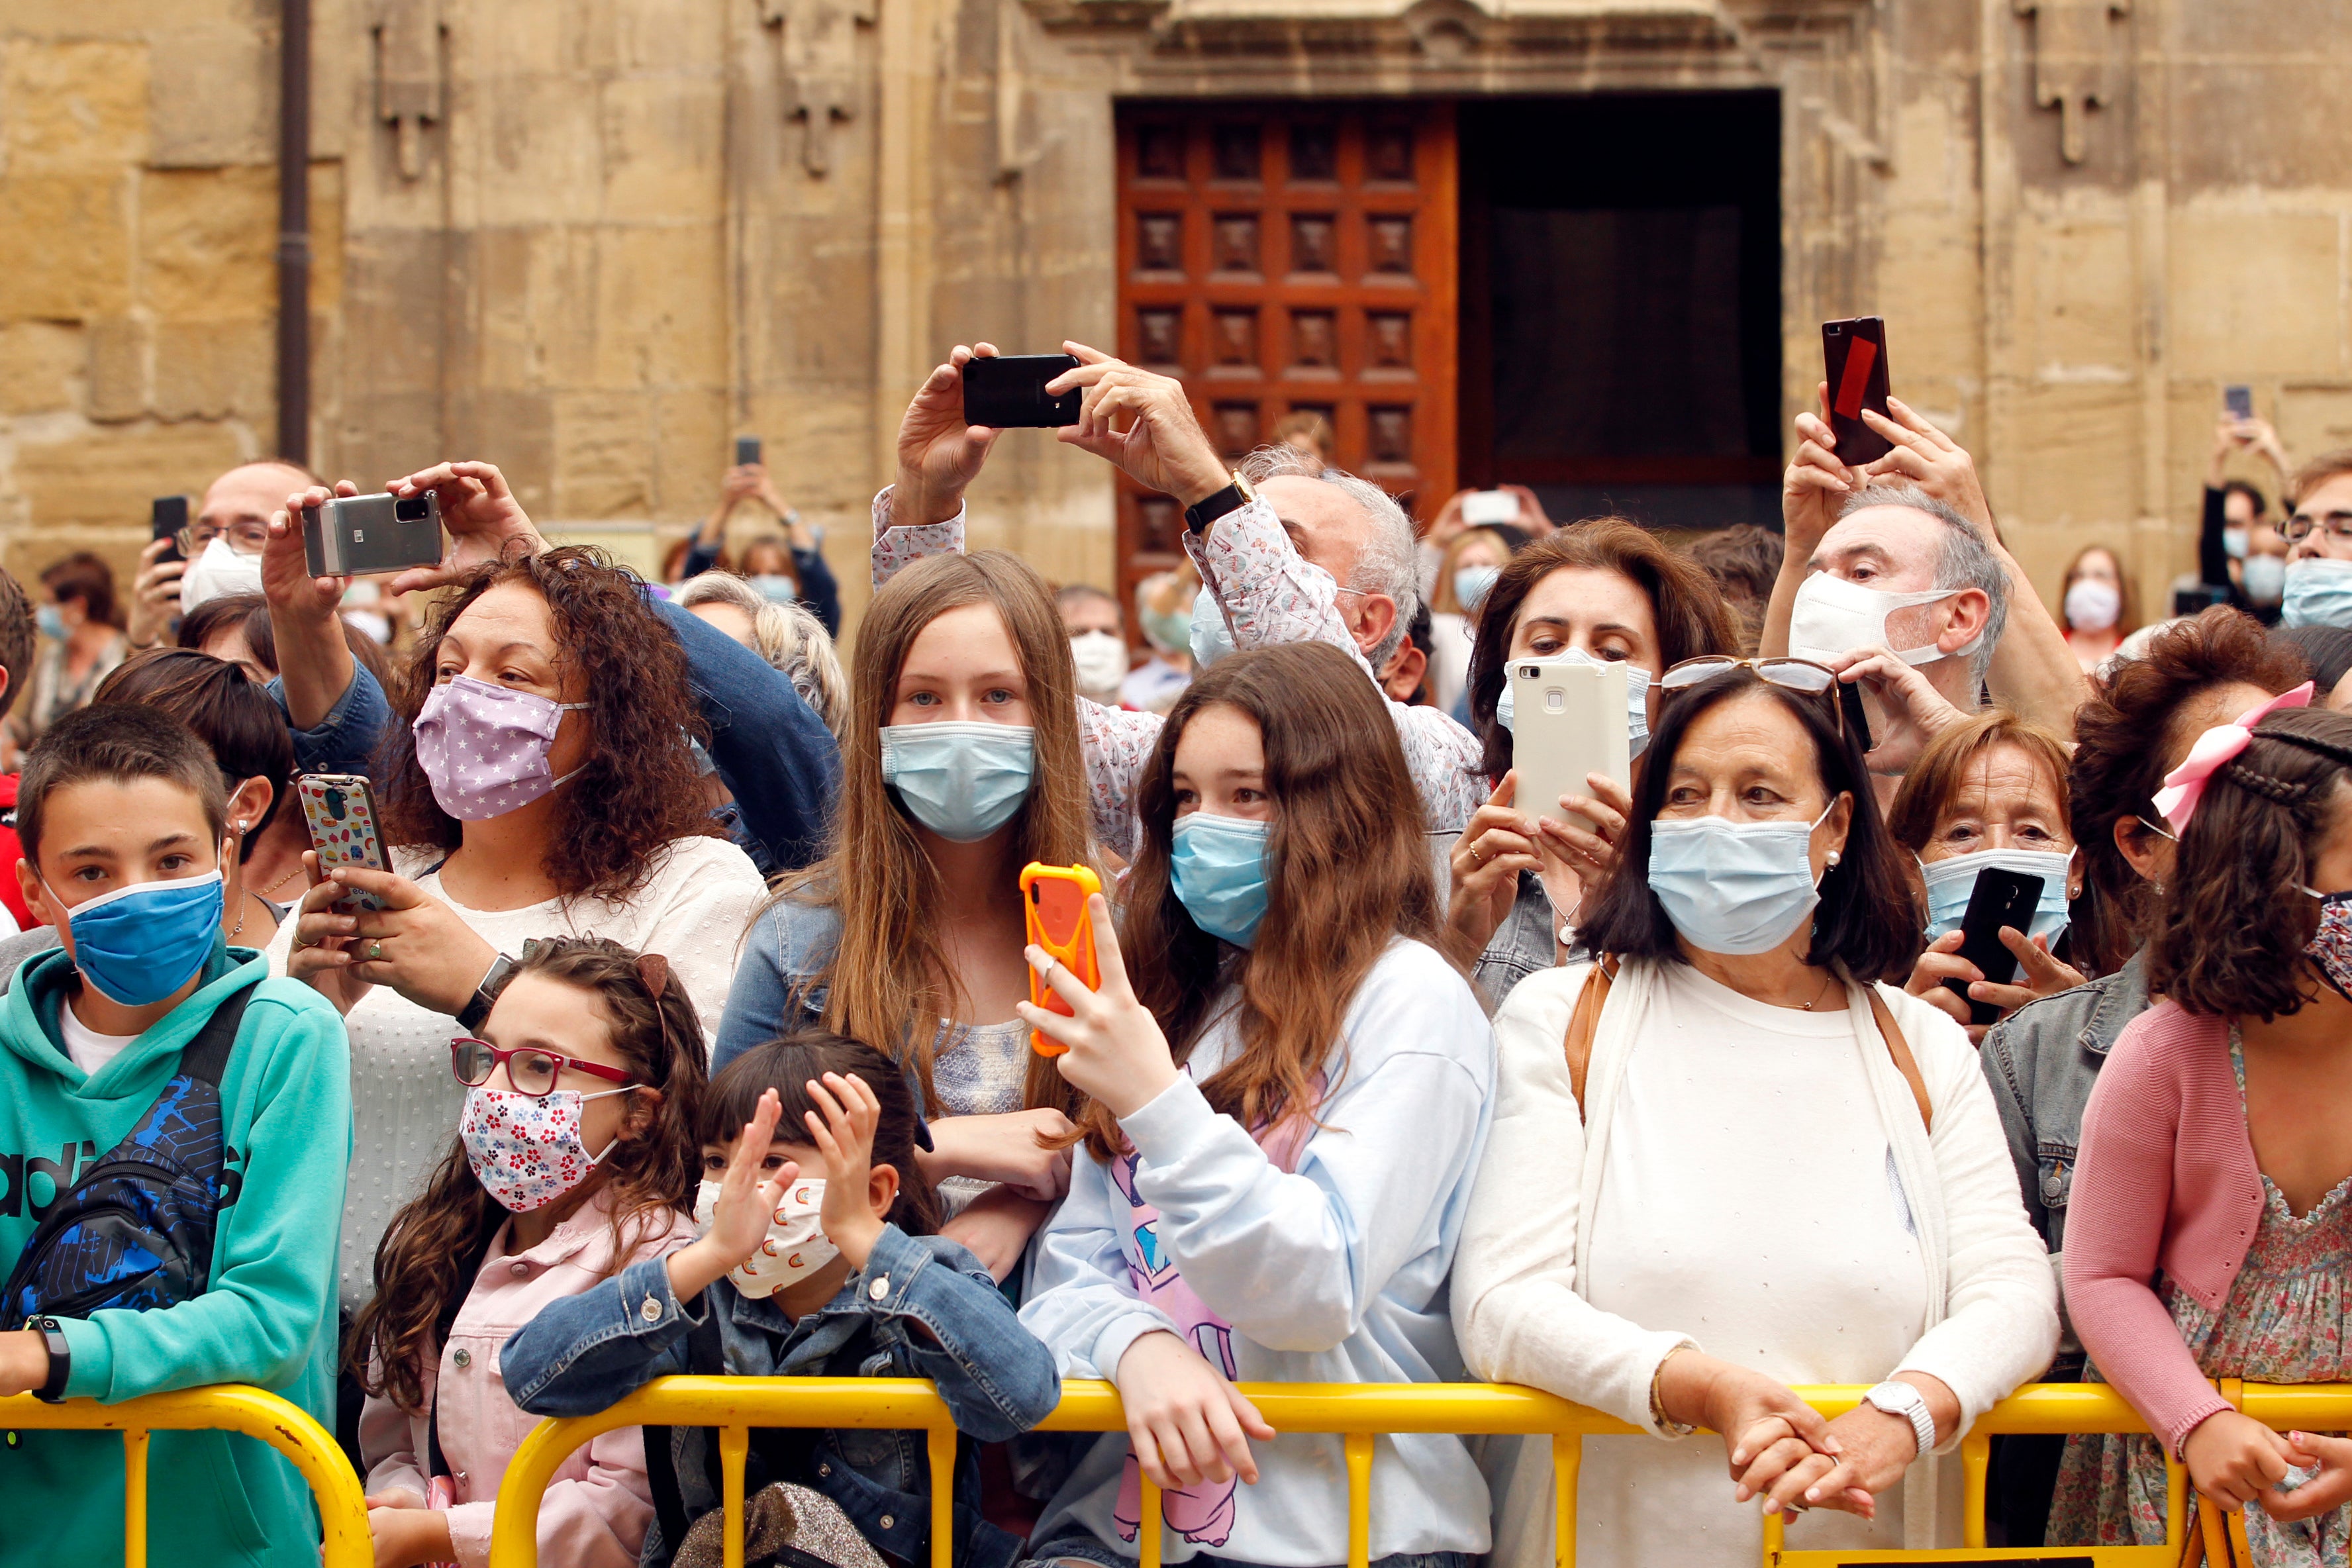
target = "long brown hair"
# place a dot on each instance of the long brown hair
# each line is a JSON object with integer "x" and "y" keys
{"x": 1348, "y": 871}
{"x": 888, "y": 982}
{"x": 1692, "y": 615}
{"x": 427, "y": 1261}
{"x": 638, "y": 789}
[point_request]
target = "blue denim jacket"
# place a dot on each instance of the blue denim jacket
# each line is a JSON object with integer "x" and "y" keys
{"x": 790, "y": 944}
{"x": 922, "y": 1307}
{"x": 1525, "y": 941}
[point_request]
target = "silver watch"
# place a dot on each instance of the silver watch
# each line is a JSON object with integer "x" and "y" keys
{"x": 1897, "y": 1398}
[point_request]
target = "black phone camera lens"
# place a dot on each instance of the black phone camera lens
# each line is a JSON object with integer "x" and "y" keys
{"x": 412, "y": 508}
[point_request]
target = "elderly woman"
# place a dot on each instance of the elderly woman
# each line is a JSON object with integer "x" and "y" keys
{"x": 1989, "y": 793}
{"x": 1738, "y": 1165}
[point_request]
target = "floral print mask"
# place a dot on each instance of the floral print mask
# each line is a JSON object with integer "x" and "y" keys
{"x": 525, "y": 1148}
{"x": 2331, "y": 944}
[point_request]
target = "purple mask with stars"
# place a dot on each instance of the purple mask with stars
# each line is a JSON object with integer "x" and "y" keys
{"x": 485, "y": 749}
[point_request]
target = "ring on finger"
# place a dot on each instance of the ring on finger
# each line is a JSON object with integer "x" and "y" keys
{"x": 375, "y": 952}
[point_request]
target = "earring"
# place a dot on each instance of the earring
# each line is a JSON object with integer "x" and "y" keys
{"x": 1833, "y": 856}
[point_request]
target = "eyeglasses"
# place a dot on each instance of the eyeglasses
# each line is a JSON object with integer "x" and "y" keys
{"x": 1801, "y": 675}
{"x": 247, "y": 538}
{"x": 2296, "y": 529}
{"x": 528, "y": 1069}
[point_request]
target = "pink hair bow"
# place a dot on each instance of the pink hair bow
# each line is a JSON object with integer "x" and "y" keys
{"x": 2184, "y": 786}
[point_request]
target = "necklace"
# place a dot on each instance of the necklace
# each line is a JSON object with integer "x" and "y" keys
{"x": 283, "y": 880}
{"x": 1827, "y": 975}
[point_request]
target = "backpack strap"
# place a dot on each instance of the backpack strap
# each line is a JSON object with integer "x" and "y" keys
{"x": 205, "y": 1057}
{"x": 1584, "y": 1022}
{"x": 1900, "y": 1049}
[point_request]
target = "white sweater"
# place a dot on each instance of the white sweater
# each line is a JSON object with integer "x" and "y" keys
{"x": 1989, "y": 1319}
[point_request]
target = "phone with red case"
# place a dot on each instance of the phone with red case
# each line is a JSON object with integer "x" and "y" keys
{"x": 1853, "y": 362}
{"x": 341, "y": 811}
{"x": 1053, "y": 898}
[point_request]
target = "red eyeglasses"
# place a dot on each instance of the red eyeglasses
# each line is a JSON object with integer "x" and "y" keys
{"x": 528, "y": 1069}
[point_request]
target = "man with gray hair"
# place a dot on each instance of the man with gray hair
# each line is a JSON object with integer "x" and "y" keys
{"x": 1288, "y": 551}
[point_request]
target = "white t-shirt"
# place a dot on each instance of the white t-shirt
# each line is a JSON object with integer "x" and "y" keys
{"x": 693, "y": 910}
{"x": 1749, "y": 1198}
{"x": 90, "y": 1050}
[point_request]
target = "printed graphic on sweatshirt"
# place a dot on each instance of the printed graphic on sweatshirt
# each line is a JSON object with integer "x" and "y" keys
{"x": 1203, "y": 1514}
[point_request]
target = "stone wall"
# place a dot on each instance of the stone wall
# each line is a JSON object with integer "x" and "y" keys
{"x": 594, "y": 239}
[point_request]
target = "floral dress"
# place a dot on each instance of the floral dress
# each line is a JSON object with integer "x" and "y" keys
{"x": 2284, "y": 1321}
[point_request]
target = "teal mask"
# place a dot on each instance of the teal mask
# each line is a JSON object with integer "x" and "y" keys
{"x": 1218, "y": 866}
{"x": 961, "y": 780}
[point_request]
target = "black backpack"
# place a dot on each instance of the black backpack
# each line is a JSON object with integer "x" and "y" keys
{"x": 136, "y": 1231}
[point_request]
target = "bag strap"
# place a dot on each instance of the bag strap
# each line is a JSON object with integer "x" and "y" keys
{"x": 205, "y": 1057}
{"x": 1584, "y": 1023}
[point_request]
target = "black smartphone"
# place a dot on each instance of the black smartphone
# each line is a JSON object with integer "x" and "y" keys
{"x": 1857, "y": 720}
{"x": 2239, "y": 401}
{"x": 1007, "y": 392}
{"x": 747, "y": 450}
{"x": 169, "y": 515}
{"x": 2001, "y": 899}
{"x": 1853, "y": 362}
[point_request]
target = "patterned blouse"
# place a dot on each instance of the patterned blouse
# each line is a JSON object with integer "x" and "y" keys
{"x": 1270, "y": 593}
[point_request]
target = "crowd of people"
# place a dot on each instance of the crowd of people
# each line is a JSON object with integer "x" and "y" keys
{"x": 693, "y": 1024}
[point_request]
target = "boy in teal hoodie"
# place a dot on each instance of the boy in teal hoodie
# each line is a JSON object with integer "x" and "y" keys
{"x": 122, "y": 817}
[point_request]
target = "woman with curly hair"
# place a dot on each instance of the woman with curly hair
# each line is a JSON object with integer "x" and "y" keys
{"x": 542, "y": 787}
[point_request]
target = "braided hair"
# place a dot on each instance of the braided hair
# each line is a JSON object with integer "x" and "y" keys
{"x": 2230, "y": 936}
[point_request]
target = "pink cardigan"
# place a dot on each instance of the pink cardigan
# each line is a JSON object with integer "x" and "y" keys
{"x": 2165, "y": 1183}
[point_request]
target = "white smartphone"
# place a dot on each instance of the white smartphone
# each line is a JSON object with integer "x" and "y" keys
{"x": 1570, "y": 721}
{"x": 1481, "y": 507}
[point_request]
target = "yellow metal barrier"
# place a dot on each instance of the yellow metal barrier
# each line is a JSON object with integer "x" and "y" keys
{"x": 231, "y": 1407}
{"x": 1357, "y": 1412}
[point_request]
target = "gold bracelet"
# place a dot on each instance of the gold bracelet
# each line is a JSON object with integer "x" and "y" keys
{"x": 1658, "y": 1401}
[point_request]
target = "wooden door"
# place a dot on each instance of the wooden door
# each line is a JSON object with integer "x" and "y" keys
{"x": 1286, "y": 256}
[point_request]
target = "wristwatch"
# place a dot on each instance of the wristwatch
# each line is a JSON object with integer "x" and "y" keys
{"x": 477, "y": 1011}
{"x": 1209, "y": 507}
{"x": 53, "y": 1335}
{"x": 1897, "y": 1398}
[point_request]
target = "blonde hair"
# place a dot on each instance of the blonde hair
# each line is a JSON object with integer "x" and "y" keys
{"x": 789, "y": 636}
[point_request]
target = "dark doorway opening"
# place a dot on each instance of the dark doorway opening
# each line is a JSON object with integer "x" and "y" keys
{"x": 1621, "y": 304}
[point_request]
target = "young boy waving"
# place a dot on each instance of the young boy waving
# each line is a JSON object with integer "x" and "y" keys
{"x": 174, "y": 1127}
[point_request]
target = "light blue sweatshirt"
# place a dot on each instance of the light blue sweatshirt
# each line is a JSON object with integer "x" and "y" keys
{"x": 1324, "y": 1261}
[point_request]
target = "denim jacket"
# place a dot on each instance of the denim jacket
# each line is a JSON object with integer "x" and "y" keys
{"x": 2041, "y": 1060}
{"x": 775, "y": 987}
{"x": 1526, "y": 941}
{"x": 922, "y": 1307}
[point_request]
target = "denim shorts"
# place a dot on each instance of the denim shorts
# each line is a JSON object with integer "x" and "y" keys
{"x": 1085, "y": 1548}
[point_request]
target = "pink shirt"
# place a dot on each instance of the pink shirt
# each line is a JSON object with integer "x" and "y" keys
{"x": 596, "y": 1510}
{"x": 2165, "y": 1183}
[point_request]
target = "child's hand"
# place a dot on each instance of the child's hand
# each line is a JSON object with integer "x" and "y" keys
{"x": 739, "y": 1219}
{"x": 1188, "y": 1424}
{"x": 405, "y": 1533}
{"x": 2325, "y": 1491}
{"x": 844, "y": 1136}
{"x": 2235, "y": 1458}
{"x": 1117, "y": 1053}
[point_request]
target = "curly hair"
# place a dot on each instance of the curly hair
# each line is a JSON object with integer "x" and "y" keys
{"x": 638, "y": 789}
{"x": 2228, "y": 939}
{"x": 428, "y": 1258}
{"x": 2123, "y": 739}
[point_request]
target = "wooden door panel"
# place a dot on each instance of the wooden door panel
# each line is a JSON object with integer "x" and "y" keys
{"x": 1288, "y": 256}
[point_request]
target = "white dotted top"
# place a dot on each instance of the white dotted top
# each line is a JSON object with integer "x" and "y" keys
{"x": 693, "y": 910}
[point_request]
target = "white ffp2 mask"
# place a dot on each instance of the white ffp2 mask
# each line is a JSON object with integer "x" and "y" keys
{"x": 1832, "y": 617}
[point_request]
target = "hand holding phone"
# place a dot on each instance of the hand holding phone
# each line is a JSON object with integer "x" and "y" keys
{"x": 1853, "y": 360}
{"x": 347, "y": 536}
{"x": 2001, "y": 898}
{"x": 1480, "y": 508}
{"x": 1007, "y": 392}
{"x": 1053, "y": 903}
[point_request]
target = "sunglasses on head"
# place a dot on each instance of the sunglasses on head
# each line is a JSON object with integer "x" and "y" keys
{"x": 1800, "y": 675}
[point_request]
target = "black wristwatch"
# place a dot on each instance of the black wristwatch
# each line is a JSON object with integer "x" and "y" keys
{"x": 53, "y": 1335}
{"x": 477, "y": 1011}
{"x": 1209, "y": 507}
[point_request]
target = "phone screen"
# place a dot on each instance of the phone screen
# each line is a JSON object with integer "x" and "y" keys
{"x": 2239, "y": 401}
{"x": 1853, "y": 361}
{"x": 1007, "y": 392}
{"x": 168, "y": 518}
{"x": 747, "y": 450}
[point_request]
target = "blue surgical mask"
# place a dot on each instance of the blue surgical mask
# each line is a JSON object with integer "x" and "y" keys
{"x": 963, "y": 781}
{"x": 1637, "y": 698}
{"x": 1471, "y": 582}
{"x": 139, "y": 944}
{"x": 1212, "y": 638}
{"x": 52, "y": 622}
{"x": 1737, "y": 887}
{"x": 2318, "y": 592}
{"x": 2233, "y": 544}
{"x": 2265, "y": 577}
{"x": 776, "y": 588}
{"x": 1952, "y": 880}
{"x": 1218, "y": 866}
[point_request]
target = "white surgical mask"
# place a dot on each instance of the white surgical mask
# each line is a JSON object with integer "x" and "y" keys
{"x": 796, "y": 1246}
{"x": 1832, "y": 617}
{"x": 1102, "y": 663}
{"x": 216, "y": 573}
{"x": 2093, "y": 605}
{"x": 2233, "y": 544}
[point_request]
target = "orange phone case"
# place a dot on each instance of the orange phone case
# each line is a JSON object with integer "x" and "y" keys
{"x": 1053, "y": 901}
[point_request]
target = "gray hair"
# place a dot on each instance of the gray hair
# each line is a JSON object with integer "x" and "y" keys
{"x": 789, "y": 636}
{"x": 1386, "y": 564}
{"x": 1965, "y": 561}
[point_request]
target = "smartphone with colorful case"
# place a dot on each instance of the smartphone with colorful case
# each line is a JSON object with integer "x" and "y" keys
{"x": 341, "y": 811}
{"x": 1054, "y": 897}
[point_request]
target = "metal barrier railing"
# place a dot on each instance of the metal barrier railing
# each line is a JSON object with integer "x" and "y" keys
{"x": 230, "y": 1407}
{"x": 1357, "y": 1413}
